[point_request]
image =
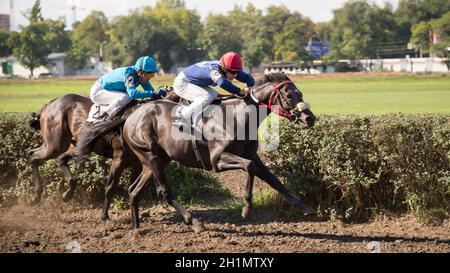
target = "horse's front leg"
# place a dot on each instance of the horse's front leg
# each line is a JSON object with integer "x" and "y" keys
{"x": 248, "y": 196}
{"x": 228, "y": 162}
{"x": 264, "y": 174}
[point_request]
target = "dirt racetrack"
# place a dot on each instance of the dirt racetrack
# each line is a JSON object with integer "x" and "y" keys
{"x": 56, "y": 227}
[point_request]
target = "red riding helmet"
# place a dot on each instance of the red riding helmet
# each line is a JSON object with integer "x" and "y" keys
{"x": 231, "y": 61}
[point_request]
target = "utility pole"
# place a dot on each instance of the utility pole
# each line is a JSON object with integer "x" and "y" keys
{"x": 73, "y": 5}
{"x": 12, "y": 26}
{"x": 74, "y": 14}
{"x": 100, "y": 59}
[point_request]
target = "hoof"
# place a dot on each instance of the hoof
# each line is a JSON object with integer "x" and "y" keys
{"x": 67, "y": 196}
{"x": 105, "y": 218}
{"x": 307, "y": 211}
{"x": 245, "y": 213}
{"x": 136, "y": 228}
{"x": 197, "y": 226}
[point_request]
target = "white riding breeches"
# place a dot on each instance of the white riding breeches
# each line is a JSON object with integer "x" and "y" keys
{"x": 199, "y": 96}
{"x": 106, "y": 100}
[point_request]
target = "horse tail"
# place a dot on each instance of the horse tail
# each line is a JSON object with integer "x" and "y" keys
{"x": 88, "y": 136}
{"x": 34, "y": 121}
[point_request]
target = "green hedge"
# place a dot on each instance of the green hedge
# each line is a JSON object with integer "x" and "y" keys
{"x": 351, "y": 167}
{"x": 16, "y": 138}
{"x": 347, "y": 167}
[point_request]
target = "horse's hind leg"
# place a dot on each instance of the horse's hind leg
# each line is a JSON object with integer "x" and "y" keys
{"x": 157, "y": 167}
{"x": 136, "y": 190}
{"x": 229, "y": 161}
{"x": 63, "y": 161}
{"x": 248, "y": 196}
{"x": 37, "y": 157}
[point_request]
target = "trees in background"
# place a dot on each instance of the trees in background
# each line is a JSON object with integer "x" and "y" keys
{"x": 88, "y": 39}
{"x": 187, "y": 25}
{"x": 411, "y": 12}
{"x": 280, "y": 35}
{"x": 420, "y": 36}
{"x": 5, "y": 45}
{"x": 358, "y": 27}
{"x": 291, "y": 40}
{"x": 433, "y": 36}
{"x": 273, "y": 23}
{"x": 40, "y": 38}
{"x": 138, "y": 35}
{"x": 30, "y": 51}
{"x": 220, "y": 36}
{"x": 249, "y": 27}
{"x": 442, "y": 28}
{"x": 171, "y": 33}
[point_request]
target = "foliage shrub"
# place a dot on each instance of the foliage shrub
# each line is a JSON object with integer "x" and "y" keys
{"x": 348, "y": 167}
{"x": 354, "y": 166}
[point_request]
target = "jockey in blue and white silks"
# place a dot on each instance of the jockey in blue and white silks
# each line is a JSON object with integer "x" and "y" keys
{"x": 117, "y": 88}
{"x": 194, "y": 84}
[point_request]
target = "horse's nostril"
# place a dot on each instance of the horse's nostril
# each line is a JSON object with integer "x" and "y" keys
{"x": 309, "y": 120}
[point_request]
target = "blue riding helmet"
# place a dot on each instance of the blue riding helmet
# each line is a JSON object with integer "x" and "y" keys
{"x": 146, "y": 64}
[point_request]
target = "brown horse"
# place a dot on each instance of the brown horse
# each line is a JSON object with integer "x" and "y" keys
{"x": 149, "y": 133}
{"x": 59, "y": 123}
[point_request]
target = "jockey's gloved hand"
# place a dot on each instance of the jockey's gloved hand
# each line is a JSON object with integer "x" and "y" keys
{"x": 161, "y": 92}
{"x": 243, "y": 93}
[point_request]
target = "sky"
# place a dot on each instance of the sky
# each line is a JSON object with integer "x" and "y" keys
{"x": 316, "y": 10}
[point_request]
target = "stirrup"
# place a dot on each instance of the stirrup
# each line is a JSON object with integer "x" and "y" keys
{"x": 179, "y": 121}
{"x": 103, "y": 117}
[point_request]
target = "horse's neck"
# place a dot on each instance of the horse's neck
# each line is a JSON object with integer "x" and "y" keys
{"x": 261, "y": 95}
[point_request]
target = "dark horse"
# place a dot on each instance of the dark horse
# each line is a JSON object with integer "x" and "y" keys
{"x": 59, "y": 123}
{"x": 150, "y": 135}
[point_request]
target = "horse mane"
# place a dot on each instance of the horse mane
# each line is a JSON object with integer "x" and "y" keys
{"x": 271, "y": 77}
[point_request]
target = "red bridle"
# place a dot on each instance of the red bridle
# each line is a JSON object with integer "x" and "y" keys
{"x": 275, "y": 93}
{"x": 273, "y": 96}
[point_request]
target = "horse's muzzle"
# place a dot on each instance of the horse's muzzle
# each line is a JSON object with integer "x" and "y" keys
{"x": 303, "y": 115}
{"x": 305, "y": 120}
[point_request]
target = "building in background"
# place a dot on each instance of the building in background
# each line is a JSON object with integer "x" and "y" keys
{"x": 58, "y": 66}
{"x": 5, "y": 22}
